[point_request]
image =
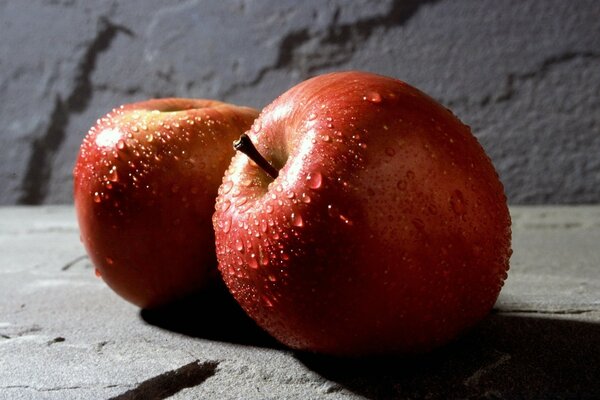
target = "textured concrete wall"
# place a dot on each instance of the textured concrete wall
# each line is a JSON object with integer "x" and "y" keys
{"x": 525, "y": 74}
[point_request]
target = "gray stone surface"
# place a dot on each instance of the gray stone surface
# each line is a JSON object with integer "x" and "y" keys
{"x": 525, "y": 74}
{"x": 65, "y": 335}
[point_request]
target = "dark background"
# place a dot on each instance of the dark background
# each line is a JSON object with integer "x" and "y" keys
{"x": 525, "y": 74}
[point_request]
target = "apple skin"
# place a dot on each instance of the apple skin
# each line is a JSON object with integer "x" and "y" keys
{"x": 145, "y": 183}
{"x": 386, "y": 231}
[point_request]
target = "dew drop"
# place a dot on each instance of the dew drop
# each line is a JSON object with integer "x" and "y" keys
{"x": 345, "y": 220}
{"x": 113, "y": 174}
{"x": 239, "y": 245}
{"x": 225, "y": 205}
{"x": 226, "y": 225}
{"x": 297, "y": 220}
{"x": 252, "y": 263}
{"x": 373, "y": 97}
{"x": 457, "y": 202}
{"x": 226, "y": 187}
{"x": 267, "y": 301}
{"x": 241, "y": 201}
{"x": 314, "y": 180}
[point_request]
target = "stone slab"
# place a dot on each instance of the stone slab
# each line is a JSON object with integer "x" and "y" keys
{"x": 65, "y": 335}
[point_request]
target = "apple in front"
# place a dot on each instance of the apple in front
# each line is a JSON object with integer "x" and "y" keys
{"x": 145, "y": 184}
{"x": 370, "y": 220}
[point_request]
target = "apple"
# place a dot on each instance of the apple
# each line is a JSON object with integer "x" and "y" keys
{"x": 145, "y": 183}
{"x": 379, "y": 225}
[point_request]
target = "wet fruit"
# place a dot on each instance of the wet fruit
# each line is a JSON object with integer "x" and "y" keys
{"x": 145, "y": 183}
{"x": 381, "y": 227}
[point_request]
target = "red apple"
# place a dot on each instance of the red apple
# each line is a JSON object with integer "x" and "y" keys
{"x": 145, "y": 185}
{"x": 383, "y": 228}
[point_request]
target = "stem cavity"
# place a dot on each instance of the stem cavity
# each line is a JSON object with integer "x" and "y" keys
{"x": 245, "y": 145}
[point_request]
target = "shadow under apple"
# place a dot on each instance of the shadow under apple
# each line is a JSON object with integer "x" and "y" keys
{"x": 506, "y": 356}
{"x": 512, "y": 356}
{"x": 211, "y": 314}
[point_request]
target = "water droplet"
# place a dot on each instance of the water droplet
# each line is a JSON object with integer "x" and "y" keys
{"x": 97, "y": 273}
{"x": 263, "y": 225}
{"x": 97, "y": 197}
{"x": 269, "y": 208}
{"x": 271, "y": 278}
{"x": 239, "y": 245}
{"x": 326, "y": 138}
{"x": 226, "y": 187}
{"x": 241, "y": 201}
{"x": 297, "y": 220}
{"x": 305, "y": 198}
{"x": 290, "y": 194}
{"x": 225, "y": 205}
{"x": 226, "y": 225}
{"x": 252, "y": 263}
{"x": 390, "y": 152}
{"x": 109, "y": 261}
{"x": 314, "y": 180}
{"x": 113, "y": 174}
{"x": 121, "y": 144}
{"x": 257, "y": 126}
{"x": 345, "y": 220}
{"x": 457, "y": 202}
{"x": 267, "y": 301}
{"x": 373, "y": 97}
{"x": 312, "y": 116}
{"x": 284, "y": 256}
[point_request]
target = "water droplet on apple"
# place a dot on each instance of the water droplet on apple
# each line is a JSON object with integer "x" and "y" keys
{"x": 226, "y": 187}
{"x": 290, "y": 194}
{"x": 345, "y": 220}
{"x": 97, "y": 197}
{"x": 326, "y": 138}
{"x": 241, "y": 201}
{"x": 97, "y": 273}
{"x": 225, "y": 205}
{"x": 121, "y": 144}
{"x": 373, "y": 97}
{"x": 297, "y": 220}
{"x": 457, "y": 202}
{"x": 113, "y": 174}
{"x": 252, "y": 263}
{"x": 314, "y": 180}
{"x": 305, "y": 198}
{"x": 226, "y": 225}
{"x": 239, "y": 245}
{"x": 109, "y": 261}
{"x": 263, "y": 225}
{"x": 267, "y": 301}
{"x": 257, "y": 126}
{"x": 271, "y": 278}
{"x": 312, "y": 116}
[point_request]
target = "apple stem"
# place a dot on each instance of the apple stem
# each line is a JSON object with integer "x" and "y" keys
{"x": 245, "y": 145}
